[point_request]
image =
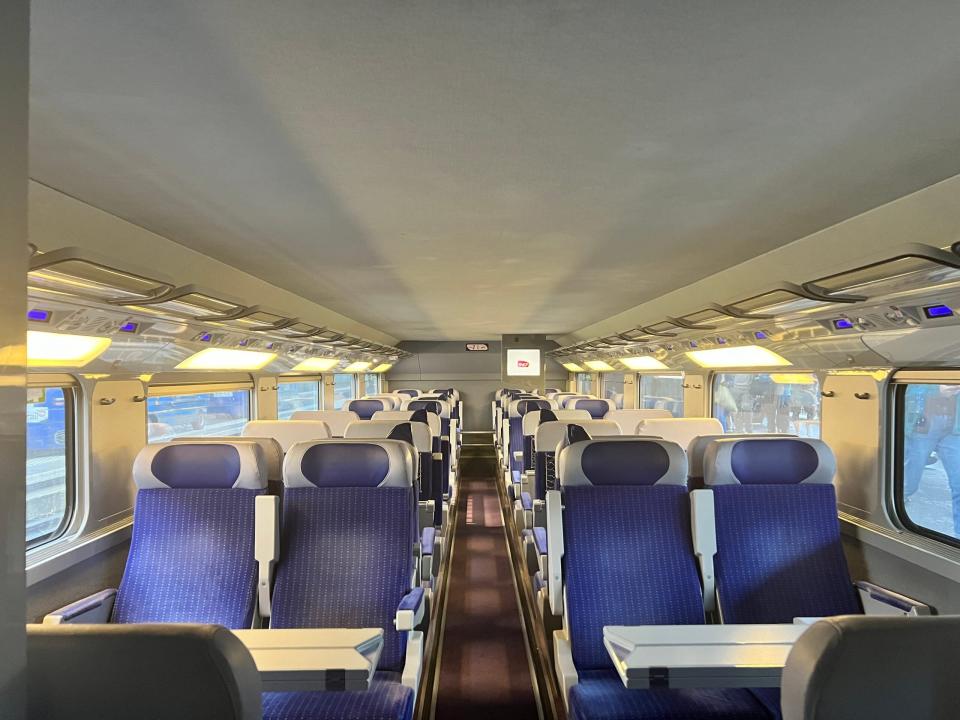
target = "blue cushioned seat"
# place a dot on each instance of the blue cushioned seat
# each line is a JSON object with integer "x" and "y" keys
{"x": 386, "y": 699}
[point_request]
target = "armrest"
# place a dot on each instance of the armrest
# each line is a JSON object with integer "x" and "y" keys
{"x": 266, "y": 549}
{"x": 540, "y": 539}
{"x": 518, "y": 456}
{"x": 427, "y": 538}
{"x": 878, "y": 600}
{"x": 93, "y": 609}
{"x": 410, "y": 610}
{"x": 526, "y": 501}
{"x": 703, "y": 527}
{"x": 555, "y": 551}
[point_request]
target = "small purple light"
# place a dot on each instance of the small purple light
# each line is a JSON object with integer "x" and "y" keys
{"x": 38, "y": 315}
{"x": 760, "y": 335}
{"x": 130, "y": 327}
{"x": 204, "y": 338}
{"x": 243, "y": 343}
{"x": 721, "y": 341}
{"x": 693, "y": 343}
{"x": 843, "y": 324}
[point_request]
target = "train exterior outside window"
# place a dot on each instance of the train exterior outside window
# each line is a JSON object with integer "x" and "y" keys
{"x": 928, "y": 474}
{"x": 294, "y": 396}
{"x": 768, "y": 403}
{"x": 613, "y": 388}
{"x": 50, "y": 462}
{"x": 343, "y": 389}
{"x": 662, "y": 392}
{"x": 585, "y": 383}
{"x": 201, "y": 414}
{"x": 371, "y": 384}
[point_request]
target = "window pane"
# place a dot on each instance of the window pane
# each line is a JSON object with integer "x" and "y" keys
{"x": 585, "y": 383}
{"x": 197, "y": 414}
{"x": 613, "y": 388}
{"x": 768, "y": 402}
{"x": 662, "y": 392}
{"x": 47, "y": 471}
{"x": 930, "y": 475}
{"x": 293, "y": 396}
{"x": 371, "y": 384}
{"x": 342, "y": 389}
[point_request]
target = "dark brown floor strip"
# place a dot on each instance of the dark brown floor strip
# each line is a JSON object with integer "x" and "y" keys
{"x": 484, "y": 667}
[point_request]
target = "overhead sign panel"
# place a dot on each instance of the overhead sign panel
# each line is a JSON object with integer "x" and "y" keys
{"x": 523, "y": 362}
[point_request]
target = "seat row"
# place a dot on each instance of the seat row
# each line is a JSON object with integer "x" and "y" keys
{"x": 626, "y": 543}
{"x": 209, "y": 546}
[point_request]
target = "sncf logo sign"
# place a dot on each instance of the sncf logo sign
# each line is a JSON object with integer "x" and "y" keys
{"x": 523, "y": 364}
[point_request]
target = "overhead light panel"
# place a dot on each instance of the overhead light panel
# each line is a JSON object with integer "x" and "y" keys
{"x": 572, "y": 367}
{"x": 46, "y": 349}
{"x": 382, "y": 367}
{"x": 317, "y": 364}
{"x": 733, "y": 357}
{"x": 599, "y": 365}
{"x": 357, "y": 367}
{"x": 793, "y": 378}
{"x": 643, "y": 362}
{"x": 226, "y": 359}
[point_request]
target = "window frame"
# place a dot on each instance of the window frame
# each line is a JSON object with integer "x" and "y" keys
{"x": 71, "y": 402}
{"x": 355, "y": 385}
{"x": 898, "y": 507}
{"x": 638, "y": 389}
{"x": 286, "y": 379}
{"x": 197, "y": 389}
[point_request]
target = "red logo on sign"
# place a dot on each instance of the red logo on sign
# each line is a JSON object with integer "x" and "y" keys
{"x": 522, "y": 363}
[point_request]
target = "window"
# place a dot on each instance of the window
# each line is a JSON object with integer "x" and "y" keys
{"x": 613, "y": 388}
{"x": 50, "y": 462}
{"x": 342, "y": 389}
{"x": 662, "y": 392}
{"x": 371, "y": 384}
{"x": 300, "y": 395}
{"x": 768, "y": 402}
{"x": 927, "y": 487}
{"x": 196, "y": 414}
{"x": 584, "y": 383}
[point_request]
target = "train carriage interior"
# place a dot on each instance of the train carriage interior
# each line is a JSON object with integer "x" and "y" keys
{"x": 438, "y": 360}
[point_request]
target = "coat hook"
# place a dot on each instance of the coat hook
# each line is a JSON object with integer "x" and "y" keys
{"x": 862, "y": 396}
{"x": 107, "y": 401}
{"x": 139, "y": 398}
{"x": 828, "y": 393}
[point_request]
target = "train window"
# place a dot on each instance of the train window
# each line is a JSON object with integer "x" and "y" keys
{"x": 613, "y": 388}
{"x": 343, "y": 390}
{"x": 196, "y": 414}
{"x": 768, "y": 402}
{"x": 371, "y": 384}
{"x": 662, "y": 392}
{"x": 297, "y": 395}
{"x": 50, "y": 462}
{"x": 927, "y": 471}
{"x": 585, "y": 383}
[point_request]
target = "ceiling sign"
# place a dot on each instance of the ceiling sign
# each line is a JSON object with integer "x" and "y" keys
{"x": 477, "y": 347}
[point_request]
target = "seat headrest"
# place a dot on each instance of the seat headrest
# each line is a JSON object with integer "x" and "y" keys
{"x": 350, "y": 463}
{"x": 629, "y": 419}
{"x": 417, "y": 434}
{"x": 366, "y": 408}
{"x": 622, "y": 461}
{"x": 419, "y": 416}
{"x": 409, "y": 392}
{"x": 533, "y": 419}
{"x": 768, "y": 461}
{"x": 575, "y": 433}
{"x": 438, "y": 407}
{"x": 565, "y": 401}
{"x": 698, "y": 447}
{"x": 519, "y": 408}
{"x": 549, "y": 434}
{"x": 287, "y": 432}
{"x": 337, "y": 420}
{"x": 272, "y": 452}
{"x": 201, "y": 466}
{"x": 392, "y": 402}
{"x": 679, "y": 430}
{"x": 550, "y": 392}
{"x": 597, "y": 407}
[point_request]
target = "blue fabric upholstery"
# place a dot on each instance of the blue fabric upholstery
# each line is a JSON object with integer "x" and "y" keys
{"x": 526, "y": 501}
{"x": 191, "y": 559}
{"x": 428, "y": 405}
{"x": 597, "y": 408}
{"x": 601, "y": 696}
{"x": 773, "y": 462}
{"x": 779, "y": 554}
{"x": 366, "y": 408}
{"x": 516, "y": 442}
{"x": 197, "y": 466}
{"x": 386, "y": 699}
{"x": 622, "y": 463}
{"x": 525, "y": 406}
{"x": 345, "y": 465}
{"x": 347, "y": 561}
{"x": 656, "y": 583}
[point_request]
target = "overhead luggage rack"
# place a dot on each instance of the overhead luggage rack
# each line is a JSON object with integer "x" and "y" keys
{"x": 73, "y": 272}
{"x": 255, "y": 319}
{"x": 188, "y": 302}
{"x": 710, "y": 318}
{"x": 917, "y": 266}
{"x": 784, "y": 299}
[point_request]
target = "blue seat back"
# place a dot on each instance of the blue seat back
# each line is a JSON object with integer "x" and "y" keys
{"x": 191, "y": 556}
{"x": 366, "y": 408}
{"x": 628, "y": 554}
{"x": 348, "y": 532}
{"x": 597, "y": 407}
{"x": 779, "y": 554}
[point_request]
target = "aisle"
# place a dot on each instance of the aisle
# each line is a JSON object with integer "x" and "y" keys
{"x": 483, "y": 668}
